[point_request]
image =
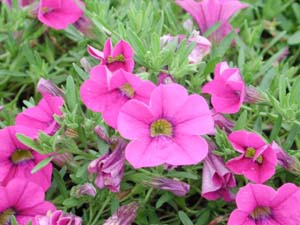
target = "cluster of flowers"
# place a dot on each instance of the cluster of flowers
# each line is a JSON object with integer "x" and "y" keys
{"x": 159, "y": 124}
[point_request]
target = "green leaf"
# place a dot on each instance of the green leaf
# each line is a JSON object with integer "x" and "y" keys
{"x": 83, "y": 75}
{"x": 294, "y": 39}
{"x": 61, "y": 185}
{"x": 41, "y": 164}
{"x": 29, "y": 142}
{"x": 184, "y": 218}
{"x": 13, "y": 220}
{"x": 242, "y": 121}
{"x": 71, "y": 93}
{"x": 163, "y": 199}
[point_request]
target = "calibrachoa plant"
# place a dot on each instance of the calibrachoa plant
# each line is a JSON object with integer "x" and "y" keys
{"x": 149, "y": 112}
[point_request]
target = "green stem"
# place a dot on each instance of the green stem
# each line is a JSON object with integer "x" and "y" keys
{"x": 101, "y": 211}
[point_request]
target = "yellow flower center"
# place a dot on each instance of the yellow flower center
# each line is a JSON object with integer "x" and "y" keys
{"x": 20, "y": 156}
{"x": 118, "y": 58}
{"x": 250, "y": 153}
{"x": 127, "y": 90}
{"x": 260, "y": 212}
{"x": 46, "y": 10}
{"x": 161, "y": 127}
{"x": 5, "y": 216}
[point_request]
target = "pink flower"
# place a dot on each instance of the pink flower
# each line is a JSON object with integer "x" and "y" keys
{"x": 58, "y": 217}
{"x": 58, "y": 14}
{"x": 208, "y": 12}
{"x": 201, "y": 49}
{"x": 107, "y": 93}
{"x": 216, "y": 179}
{"x": 259, "y": 204}
{"x": 24, "y": 200}
{"x": 41, "y": 117}
{"x": 227, "y": 89}
{"x": 168, "y": 129}
{"x": 22, "y": 3}
{"x": 177, "y": 187}
{"x": 110, "y": 168}
{"x": 17, "y": 161}
{"x": 124, "y": 215}
{"x": 257, "y": 161}
{"x": 119, "y": 57}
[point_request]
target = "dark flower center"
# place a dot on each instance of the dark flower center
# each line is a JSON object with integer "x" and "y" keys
{"x": 250, "y": 153}
{"x": 127, "y": 90}
{"x": 5, "y": 216}
{"x": 161, "y": 127}
{"x": 261, "y": 212}
{"x": 20, "y": 156}
{"x": 118, "y": 58}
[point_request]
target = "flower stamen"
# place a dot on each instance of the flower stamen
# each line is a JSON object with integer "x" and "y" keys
{"x": 5, "y": 216}
{"x": 20, "y": 156}
{"x": 127, "y": 90}
{"x": 261, "y": 212}
{"x": 118, "y": 58}
{"x": 161, "y": 127}
{"x": 250, "y": 153}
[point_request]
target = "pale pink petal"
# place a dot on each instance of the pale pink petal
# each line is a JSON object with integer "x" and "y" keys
{"x": 94, "y": 91}
{"x": 194, "y": 117}
{"x": 167, "y": 99}
{"x": 134, "y": 120}
{"x": 253, "y": 195}
{"x": 238, "y": 217}
{"x": 191, "y": 150}
{"x": 97, "y": 54}
{"x": 145, "y": 153}
{"x": 5, "y": 202}
{"x": 107, "y": 51}
{"x": 59, "y": 16}
{"x": 243, "y": 139}
{"x": 144, "y": 90}
{"x": 111, "y": 111}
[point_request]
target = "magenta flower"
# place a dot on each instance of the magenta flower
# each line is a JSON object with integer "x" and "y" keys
{"x": 58, "y": 217}
{"x": 24, "y": 200}
{"x": 41, "y": 117}
{"x": 227, "y": 89}
{"x": 58, "y": 14}
{"x": 17, "y": 161}
{"x": 216, "y": 179}
{"x": 257, "y": 161}
{"x": 259, "y": 204}
{"x": 208, "y": 12}
{"x": 22, "y": 3}
{"x": 168, "y": 129}
{"x": 107, "y": 93}
{"x": 124, "y": 215}
{"x": 119, "y": 57}
{"x": 201, "y": 49}
{"x": 110, "y": 168}
{"x": 177, "y": 187}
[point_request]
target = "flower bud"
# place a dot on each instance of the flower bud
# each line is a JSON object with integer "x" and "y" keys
{"x": 102, "y": 134}
{"x": 85, "y": 64}
{"x": 109, "y": 168}
{"x": 48, "y": 87}
{"x": 61, "y": 159}
{"x": 165, "y": 78}
{"x": 58, "y": 217}
{"x": 84, "y": 189}
{"x": 253, "y": 95}
{"x": 125, "y": 215}
{"x": 177, "y": 187}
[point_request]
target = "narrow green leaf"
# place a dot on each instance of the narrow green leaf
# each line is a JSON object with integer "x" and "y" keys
{"x": 29, "y": 142}
{"x": 163, "y": 199}
{"x": 184, "y": 218}
{"x": 41, "y": 164}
